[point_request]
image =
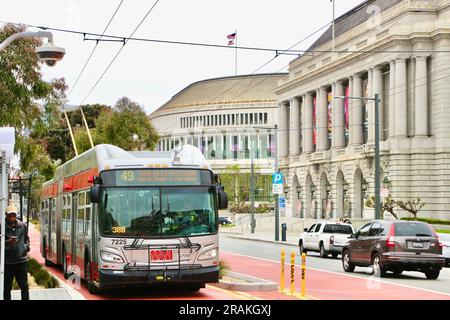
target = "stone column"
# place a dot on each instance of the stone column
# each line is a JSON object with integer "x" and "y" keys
{"x": 308, "y": 123}
{"x": 401, "y": 99}
{"x": 283, "y": 143}
{"x": 294, "y": 128}
{"x": 371, "y": 108}
{"x": 392, "y": 99}
{"x": 322, "y": 120}
{"x": 357, "y": 111}
{"x": 421, "y": 97}
{"x": 339, "y": 116}
{"x": 377, "y": 88}
{"x": 350, "y": 112}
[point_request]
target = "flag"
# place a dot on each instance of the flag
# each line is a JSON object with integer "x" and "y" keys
{"x": 231, "y": 36}
{"x": 231, "y": 42}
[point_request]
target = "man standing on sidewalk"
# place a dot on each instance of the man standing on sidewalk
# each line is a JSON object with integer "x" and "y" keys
{"x": 17, "y": 245}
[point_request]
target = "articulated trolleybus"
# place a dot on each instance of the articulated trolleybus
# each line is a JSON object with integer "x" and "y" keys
{"x": 117, "y": 219}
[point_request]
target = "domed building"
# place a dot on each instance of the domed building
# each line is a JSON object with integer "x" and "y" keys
{"x": 224, "y": 118}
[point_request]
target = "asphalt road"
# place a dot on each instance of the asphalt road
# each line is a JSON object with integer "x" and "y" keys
{"x": 272, "y": 252}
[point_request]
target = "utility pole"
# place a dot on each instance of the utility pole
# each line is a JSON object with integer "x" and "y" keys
{"x": 276, "y": 196}
{"x": 277, "y": 208}
{"x": 377, "y": 159}
{"x": 252, "y": 187}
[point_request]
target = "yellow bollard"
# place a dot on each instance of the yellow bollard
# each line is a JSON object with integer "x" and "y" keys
{"x": 292, "y": 286}
{"x": 303, "y": 289}
{"x": 283, "y": 258}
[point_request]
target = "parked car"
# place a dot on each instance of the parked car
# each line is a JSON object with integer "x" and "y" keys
{"x": 445, "y": 239}
{"x": 395, "y": 247}
{"x": 325, "y": 237}
{"x": 225, "y": 221}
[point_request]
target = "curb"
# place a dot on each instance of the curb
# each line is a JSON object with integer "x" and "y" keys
{"x": 73, "y": 293}
{"x": 256, "y": 284}
{"x": 262, "y": 240}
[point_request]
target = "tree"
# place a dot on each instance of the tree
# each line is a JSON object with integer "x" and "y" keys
{"x": 412, "y": 206}
{"x": 30, "y": 105}
{"x": 27, "y": 102}
{"x": 126, "y": 126}
{"x": 388, "y": 205}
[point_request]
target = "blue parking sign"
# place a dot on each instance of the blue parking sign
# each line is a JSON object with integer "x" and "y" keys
{"x": 277, "y": 178}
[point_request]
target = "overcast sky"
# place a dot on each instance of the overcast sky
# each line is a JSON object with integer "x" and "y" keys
{"x": 151, "y": 73}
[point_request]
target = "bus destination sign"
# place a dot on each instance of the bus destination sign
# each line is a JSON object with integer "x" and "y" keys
{"x": 159, "y": 177}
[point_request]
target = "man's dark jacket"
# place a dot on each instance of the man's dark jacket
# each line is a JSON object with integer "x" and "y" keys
{"x": 17, "y": 253}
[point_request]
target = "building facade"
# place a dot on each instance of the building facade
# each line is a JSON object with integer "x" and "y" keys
{"x": 226, "y": 118}
{"x": 399, "y": 49}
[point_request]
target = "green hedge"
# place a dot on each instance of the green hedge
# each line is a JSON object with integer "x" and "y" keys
{"x": 430, "y": 221}
{"x": 41, "y": 275}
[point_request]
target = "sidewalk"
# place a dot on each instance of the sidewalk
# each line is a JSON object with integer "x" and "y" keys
{"x": 44, "y": 294}
{"x": 262, "y": 236}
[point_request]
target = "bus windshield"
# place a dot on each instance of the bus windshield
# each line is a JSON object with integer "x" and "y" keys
{"x": 157, "y": 211}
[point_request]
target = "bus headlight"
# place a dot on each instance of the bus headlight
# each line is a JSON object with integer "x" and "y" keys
{"x": 111, "y": 257}
{"x": 208, "y": 255}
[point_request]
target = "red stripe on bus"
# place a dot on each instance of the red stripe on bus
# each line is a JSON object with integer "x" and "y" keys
{"x": 79, "y": 181}
{"x": 71, "y": 184}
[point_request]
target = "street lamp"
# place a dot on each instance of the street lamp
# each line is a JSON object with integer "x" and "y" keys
{"x": 377, "y": 101}
{"x": 49, "y": 54}
{"x": 277, "y": 208}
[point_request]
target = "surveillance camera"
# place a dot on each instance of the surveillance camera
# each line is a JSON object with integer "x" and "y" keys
{"x": 50, "y": 55}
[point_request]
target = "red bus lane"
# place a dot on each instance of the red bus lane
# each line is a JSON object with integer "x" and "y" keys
{"x": 208, "y": 293}
{"x": 328, "y": 285}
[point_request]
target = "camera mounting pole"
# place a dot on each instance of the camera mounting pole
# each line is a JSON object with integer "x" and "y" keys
{"x": 26, "y": 35}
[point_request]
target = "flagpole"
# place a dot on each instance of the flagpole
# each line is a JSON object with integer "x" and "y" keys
{"x": 334, "y": 24}
{"x": 236, "y": 55}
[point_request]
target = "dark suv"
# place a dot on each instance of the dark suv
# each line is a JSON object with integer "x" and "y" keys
{"x": 394, "y": 246}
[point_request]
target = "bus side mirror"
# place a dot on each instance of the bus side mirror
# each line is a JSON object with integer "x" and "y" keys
{"x": 95, "y": 193}
{"x": 222, "y": 199}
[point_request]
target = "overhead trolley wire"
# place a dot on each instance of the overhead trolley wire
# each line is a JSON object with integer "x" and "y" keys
{"x": 118, "y": 53}
{"x": 93, "y": 50}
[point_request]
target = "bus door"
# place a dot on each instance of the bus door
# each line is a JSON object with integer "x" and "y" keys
{"x": 73, "y": 231}
{"x": 52, "y": 234}
{"x": 80, "y": 232}
{"x": 45, "y": 227}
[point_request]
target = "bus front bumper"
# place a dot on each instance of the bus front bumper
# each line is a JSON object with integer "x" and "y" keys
{"x": 121, "y": 278}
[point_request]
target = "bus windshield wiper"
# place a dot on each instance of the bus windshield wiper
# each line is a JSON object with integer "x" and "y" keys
{"x": 185, "y": 236}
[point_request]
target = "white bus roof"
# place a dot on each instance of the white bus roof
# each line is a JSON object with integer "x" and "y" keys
{"x": 107, "y": 157}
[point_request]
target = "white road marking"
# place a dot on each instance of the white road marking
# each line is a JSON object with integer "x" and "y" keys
{"x": 348, "y": 275}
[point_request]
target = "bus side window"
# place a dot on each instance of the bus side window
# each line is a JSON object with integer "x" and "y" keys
{"x": 69, "y": 214}
{"x": 80, "y": 212}
{"x": 64, "y": 214}
{"x": 87, "y": 227}
{"x": 46, "y": 214}
{"x": 53, "y": 214}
